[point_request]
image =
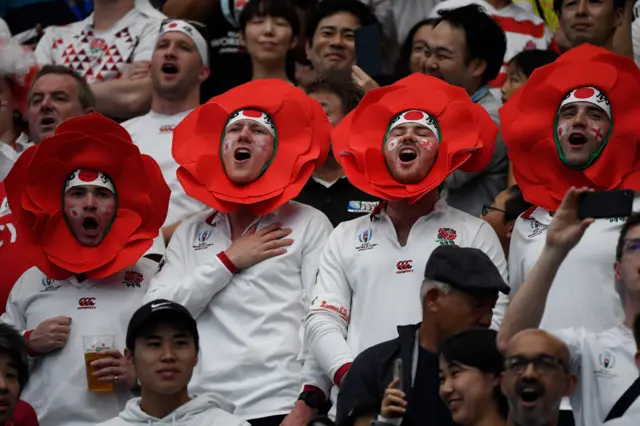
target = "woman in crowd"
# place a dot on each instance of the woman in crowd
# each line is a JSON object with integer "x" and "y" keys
{"x": 414, "y": 48}
{"x": 17, "y": 67}
{"x": 268, "y": 29}
{"x": 470, "y": 379}
{"x": 518, "y": 72}
{"x": 520, "y": 68}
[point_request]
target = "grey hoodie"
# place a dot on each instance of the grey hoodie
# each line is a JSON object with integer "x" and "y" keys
{"x": 208, "y": 409}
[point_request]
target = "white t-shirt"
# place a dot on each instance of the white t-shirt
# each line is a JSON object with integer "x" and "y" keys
{"x": 57, "y": 387}
{"x": 153, "y": 134}
{"x": 101, "y": 55}
{"x": 364, "y": 271}
{"x": 605, "y": 365}
{"x": 250, "y": 323}
{"x": 522, "y": 28}
{"x": 583, "y": 293}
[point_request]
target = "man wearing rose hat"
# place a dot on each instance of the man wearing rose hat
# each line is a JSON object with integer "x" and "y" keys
{"x": 245, "y": 268}
{"x": 574, "y": 124}
{"x": 400, "y": 146}
{"x": 89, "y": 206}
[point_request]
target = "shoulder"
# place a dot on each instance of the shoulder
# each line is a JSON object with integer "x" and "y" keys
{"x": 219, "y": 417}
{"x": 116, "y": 421}
{"x": 132, "y": 125}
{"x": 377, "y": 353}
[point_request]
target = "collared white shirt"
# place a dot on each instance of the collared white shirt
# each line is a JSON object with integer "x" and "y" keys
{"x": 368, "y": 283}
{"x": 250, "y": 323}
{"x": 57, "y": 387}
{"x": 583, "y": 293}
{"x": 605, "y": 366}
{"x": 153, "y": 134}
{"x": 101, "y": 55}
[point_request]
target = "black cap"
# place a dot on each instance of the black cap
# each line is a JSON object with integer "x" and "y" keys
{"x": 162, "y": 311}
{"x": 466, "y": 269}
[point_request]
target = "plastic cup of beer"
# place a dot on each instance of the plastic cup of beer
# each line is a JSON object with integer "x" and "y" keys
{"x": 94, "y": 347}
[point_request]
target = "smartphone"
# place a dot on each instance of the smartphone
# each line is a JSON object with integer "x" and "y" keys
{"x": 606, "y": 204}
{"x": 397, "y": 373}
{"x": 367, "y": 43}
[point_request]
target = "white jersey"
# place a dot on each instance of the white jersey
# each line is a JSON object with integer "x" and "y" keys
{"x": 101, "y": 55}
{"x": 250, "y": 323}
{"x": 582, "y": 294}
{"x": 605, "y": 366}
{"x": 368, "y": 284}
{"x": 523, "y": 30}
{"x": 153, "y": 133}
{"x": 626, "y": 420}
{"x": 57, "y": 387}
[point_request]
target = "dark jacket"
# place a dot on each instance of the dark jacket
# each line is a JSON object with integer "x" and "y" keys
{"x": 370, "y": 374}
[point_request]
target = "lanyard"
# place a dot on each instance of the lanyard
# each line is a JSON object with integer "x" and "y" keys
{"x": 480, "y": 93}
{"x": 80, "y": 13}
{"x": 414, "y": 358}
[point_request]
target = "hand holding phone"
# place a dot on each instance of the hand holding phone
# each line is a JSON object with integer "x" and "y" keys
{"x": 394, "y": 403}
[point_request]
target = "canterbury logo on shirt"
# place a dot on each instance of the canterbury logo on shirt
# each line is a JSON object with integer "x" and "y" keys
{"x": 404, "y": 266}
{"x": 87, "y": 303}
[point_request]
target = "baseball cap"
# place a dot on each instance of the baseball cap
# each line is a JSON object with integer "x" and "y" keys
{"x": 162, "y": 311}
{"x": 466, "y": 269}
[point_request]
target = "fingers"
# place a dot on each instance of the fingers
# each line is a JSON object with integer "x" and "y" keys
{"x": 267, "y": 229}
{"x": 61, "y": 320}
{"x": 572, "y": 198}
{"x": 277, "y": 234}
{"x": 104, "y": 364}
{"x": 113, "y": 353}
{"x": 394, "y": 383}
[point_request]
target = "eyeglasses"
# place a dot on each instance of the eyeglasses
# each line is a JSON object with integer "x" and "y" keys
{"x": 487, "y": 209}
{"x": 542, "y": 364}
{"x": 631, "y": 245}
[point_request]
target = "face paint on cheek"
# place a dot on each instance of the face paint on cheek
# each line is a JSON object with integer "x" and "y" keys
{"x": 227, "y": 145}
{"x": 106, "y": 211}
{"x": 392, "y": 144}
{"x": 562, "y": 130}
{"x": 426, "y": 144}
{"x": 597, "y": 133}
{"x": 4, "y": 105}
{"x": 74, "y": 212}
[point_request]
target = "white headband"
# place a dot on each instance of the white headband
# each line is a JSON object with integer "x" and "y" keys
{"x": 254, "y": 115}
{"x": 418, "y": 117}
{"x": 590, "y": 95}
{"x": 190, "y": 31}
{"x": 81, "y": 177}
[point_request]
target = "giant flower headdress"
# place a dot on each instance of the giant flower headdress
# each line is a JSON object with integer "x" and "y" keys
{"x": 465, "y": 130}
{"x": 302, "y": 144}
{"x": 528, "y": 124}
{"x": 37, "y": 180}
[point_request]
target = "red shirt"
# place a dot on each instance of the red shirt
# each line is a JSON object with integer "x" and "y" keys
{"x": 13, "y": 261}
{"x": 23, "y": 415}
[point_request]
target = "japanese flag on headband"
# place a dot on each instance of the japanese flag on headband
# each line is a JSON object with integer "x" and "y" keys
{"x": 80, "y": 177}
{"x": 418, "y": 117}
{"x": 254, "y": 115}
{"x": 590, "y": 95}
{"x": 190, "y": 31}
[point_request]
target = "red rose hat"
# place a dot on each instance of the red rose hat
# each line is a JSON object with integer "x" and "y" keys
{"x": 302, "y": 141}
{"x": 465, "y": 130}
{"x": 528, "y": 124}
{"x": 37, "y": 180}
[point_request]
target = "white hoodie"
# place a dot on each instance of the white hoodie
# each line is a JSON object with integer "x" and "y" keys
{"x": 207, "y": 409}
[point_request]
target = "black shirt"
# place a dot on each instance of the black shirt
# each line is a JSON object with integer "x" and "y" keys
{"x": 340, "y": 202}
{"x": 426, "y": 408}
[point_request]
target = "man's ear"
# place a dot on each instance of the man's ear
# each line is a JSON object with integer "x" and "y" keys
{"x": 89, "y": 110}
{"x": 510, "y": 226}
{"x": 572, "y": 382}
{"x": 477, "y": 67}
{"x": 432, "y": 300}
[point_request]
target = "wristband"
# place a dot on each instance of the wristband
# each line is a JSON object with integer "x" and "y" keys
{"x": 30, "y": 351}
{"x": 394, "y": 421}
{"x": 227, "y": 262}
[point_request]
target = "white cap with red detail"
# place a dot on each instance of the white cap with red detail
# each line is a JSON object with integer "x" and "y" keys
{"x": 255, "y": 115}
{"x": 590, "y": 95}
{"x": 81, "y": 177}
{"x": 418, "y": 117}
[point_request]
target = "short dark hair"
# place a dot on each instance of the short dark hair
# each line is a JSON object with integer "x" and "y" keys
{"x": 328, "y": 8}
{"x": 85, "y": 94}
{"x": 168, "y": 319}
{"x": 528, "y": 60}
{"x": 515, "y": 204}
{"x": 484, "y": 38}
{"x": 12, "y": 343}
{"x": 631, "y": 222}
{"x": 340, "y": 84}
{"x": 557, "y": 5}
{"x": 402, "y": 66}
{"x": 275, "y": 8}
